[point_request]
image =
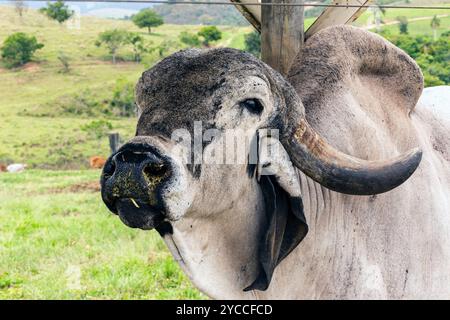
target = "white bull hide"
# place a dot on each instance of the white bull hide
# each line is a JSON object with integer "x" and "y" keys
{"x": 228, "y": 230}
{"x": 390, "y": 246}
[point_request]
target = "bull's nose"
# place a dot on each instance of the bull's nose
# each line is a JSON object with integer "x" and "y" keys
{"x": 135, "y": 173}
{"x": 131, "y": 183}
{"x": 145, "y": 164}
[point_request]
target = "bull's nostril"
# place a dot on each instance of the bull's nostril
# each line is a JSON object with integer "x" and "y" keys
{"x": 153, "y": 170}
{"x": 109, "y": 169}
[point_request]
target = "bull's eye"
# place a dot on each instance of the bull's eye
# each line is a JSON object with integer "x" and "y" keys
{"x": 253, "y": 106}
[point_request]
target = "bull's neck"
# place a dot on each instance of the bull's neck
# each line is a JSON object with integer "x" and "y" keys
{"x": 221, "y": 248}
{"x": 317, "y": 200}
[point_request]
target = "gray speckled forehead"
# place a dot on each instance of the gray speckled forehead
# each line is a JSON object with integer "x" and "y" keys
{"x": 189, "y": 86}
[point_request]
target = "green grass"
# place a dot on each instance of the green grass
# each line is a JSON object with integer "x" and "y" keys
{"x": 392, "y": 14}
{"x": 52, "y": 229}
{"x": 422, "y": 27}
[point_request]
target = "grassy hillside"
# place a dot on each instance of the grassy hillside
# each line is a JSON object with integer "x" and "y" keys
{"x": 422, "y": 27}
{"x": 59, "y": 142}
{"x": 391, "y": 15}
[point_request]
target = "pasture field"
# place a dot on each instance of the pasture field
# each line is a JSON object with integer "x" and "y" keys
{"x": 422, "y": 27}
{"x": 58, "y": 241}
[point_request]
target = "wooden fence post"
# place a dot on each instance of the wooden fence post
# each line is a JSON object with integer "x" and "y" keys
{"x": 333, "y": 16}
{"x": 114, "y": 142}
{"x": 282, "y": 33}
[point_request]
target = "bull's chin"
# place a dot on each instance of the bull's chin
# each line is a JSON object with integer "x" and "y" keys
{"x": 136, "y": 213}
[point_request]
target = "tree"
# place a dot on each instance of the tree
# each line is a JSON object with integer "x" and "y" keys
{"x": 147, "y": 18}
{"x": 137, "y": 42}
{"x": 58, "y": 11}
{"x": 65, "y": 62}
{"x": 20, "y": 7}
{"x": 209, "y": 34}
{"x": 435, "y": 24}
{"x": 189, "y": 39}
{"x": 403, "y": 25}
{"x": 253, "y": 43}
{"x": 378, "y": 11}
{"x": 113, "y": 40}
{"x": 19, "y": 48}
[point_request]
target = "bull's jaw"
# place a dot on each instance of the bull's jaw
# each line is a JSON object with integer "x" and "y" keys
{"x": 221, "y": 263}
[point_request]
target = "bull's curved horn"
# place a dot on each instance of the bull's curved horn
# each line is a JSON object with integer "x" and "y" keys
{"x": 343, "y": 173}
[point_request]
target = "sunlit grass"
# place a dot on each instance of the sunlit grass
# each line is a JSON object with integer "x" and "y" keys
{"x": 48, "y": 234}
{"x": 422, "y": 27}
{"x": 391, "y": 14}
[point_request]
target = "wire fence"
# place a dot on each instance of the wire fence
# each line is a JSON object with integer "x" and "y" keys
{"x": 260, "y": 4}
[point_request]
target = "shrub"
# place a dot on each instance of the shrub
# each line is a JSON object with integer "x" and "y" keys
{"x": 431, "y": 55}
{"x": 19, "y": 48}
{"x": 97, "y": 129}
{"x": 189, "y": 39}
{"x": 122, "y": 103}
{"x": 204, "y": 37}
{"x": 116, "y": 101}
{"x": 253, "y": 43}
{"x": 166, "y": 47}
{"x": 209, "y": 34}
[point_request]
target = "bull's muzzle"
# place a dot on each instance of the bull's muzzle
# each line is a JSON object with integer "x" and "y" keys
{"x": 132, "y": 182}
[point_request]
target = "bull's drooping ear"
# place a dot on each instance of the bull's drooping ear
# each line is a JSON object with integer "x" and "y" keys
{"x": 286, "y": 227}
{"x": 342, "y": 65}
{"x": 286, "y": 223}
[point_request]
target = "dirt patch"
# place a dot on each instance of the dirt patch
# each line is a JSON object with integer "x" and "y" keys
{"x": 91, "y": 186}
{"x": 31, "y": 67}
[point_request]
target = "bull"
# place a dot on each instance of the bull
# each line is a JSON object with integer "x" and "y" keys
{"x": 362, "y": 165}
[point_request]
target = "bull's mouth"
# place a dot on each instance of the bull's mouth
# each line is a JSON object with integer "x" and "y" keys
{"x": 136, "y": 213}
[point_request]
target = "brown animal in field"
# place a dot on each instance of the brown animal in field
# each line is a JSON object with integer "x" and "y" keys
{"x": 97, "y": 162}
{"x": 2, "y": 167}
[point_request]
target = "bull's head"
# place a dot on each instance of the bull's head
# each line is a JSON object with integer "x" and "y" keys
{"x": 153, "y": 181}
